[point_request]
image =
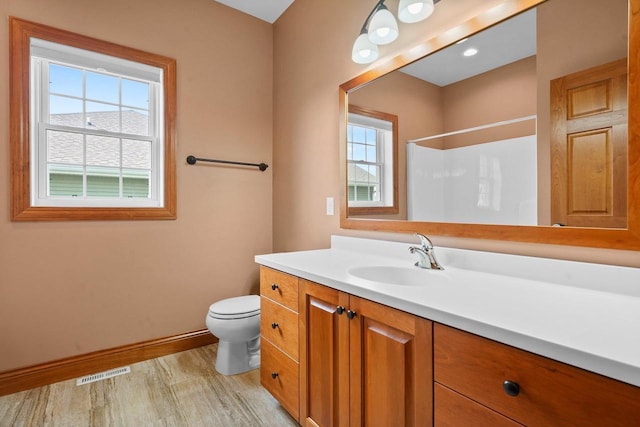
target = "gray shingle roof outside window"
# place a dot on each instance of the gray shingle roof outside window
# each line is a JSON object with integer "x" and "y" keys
{"x": 67, "y": 147}
{"x": 362, "y": 175}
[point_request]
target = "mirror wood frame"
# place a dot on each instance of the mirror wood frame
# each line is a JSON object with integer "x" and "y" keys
{"x": 627, "y": 238}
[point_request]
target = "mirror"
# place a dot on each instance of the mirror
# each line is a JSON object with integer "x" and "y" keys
{"x": 556, "y": 156}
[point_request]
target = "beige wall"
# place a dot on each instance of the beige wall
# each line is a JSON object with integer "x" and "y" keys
{"x": 68, "y": 288}
{"x": 505, "y": 93}
{"x": 312, "y": 59}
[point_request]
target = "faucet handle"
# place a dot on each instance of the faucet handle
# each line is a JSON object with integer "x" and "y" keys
{"x": 424, "y": 241}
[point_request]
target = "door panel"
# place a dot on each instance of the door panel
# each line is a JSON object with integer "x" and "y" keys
{"x": 391, "y": 367}
{"x": 324, "y": 356}
{"x": 383, "y": 344}
{"x": 589, "y": 147}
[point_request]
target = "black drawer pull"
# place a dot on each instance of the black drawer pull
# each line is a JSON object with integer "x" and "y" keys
{"x": 351, "y": 314}
{"x": 340, "y": 309}
{"x": 511, "y": 388}
{"x": 274, "y": 325}
{"x": 274, "y": 286}
{"x": 274, "y": 375}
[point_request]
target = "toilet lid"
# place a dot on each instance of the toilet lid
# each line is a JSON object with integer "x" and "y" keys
{"x": 236, "y": 308}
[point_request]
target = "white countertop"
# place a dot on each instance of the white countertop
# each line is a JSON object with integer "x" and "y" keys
{"x": 586, "y": 315}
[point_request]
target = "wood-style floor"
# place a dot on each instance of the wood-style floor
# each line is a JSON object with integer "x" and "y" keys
{"x": 181, "y": 389}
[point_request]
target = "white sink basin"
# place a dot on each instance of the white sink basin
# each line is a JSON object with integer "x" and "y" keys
{"x": 403, "y": 276}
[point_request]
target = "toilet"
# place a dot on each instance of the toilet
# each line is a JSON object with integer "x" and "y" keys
{"x": 236, "y": 323}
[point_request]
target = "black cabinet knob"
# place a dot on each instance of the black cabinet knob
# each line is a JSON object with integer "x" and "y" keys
{"x": 274, "y": 325}
{"x": 340, "y": 309}
{"x": 511, "y": 388}
{"x": 274, "y": 286}
{"x": 351, "y": 314}
{"x": 274, "y": 375}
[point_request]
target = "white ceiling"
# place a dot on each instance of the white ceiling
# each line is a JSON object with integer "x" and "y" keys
{"x": 267, "y": 10}
{"x": 502, "y": 44}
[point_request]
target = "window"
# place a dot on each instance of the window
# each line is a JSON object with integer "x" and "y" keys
{"x": 92, "y": 130}
{"x": 371, "y": 162}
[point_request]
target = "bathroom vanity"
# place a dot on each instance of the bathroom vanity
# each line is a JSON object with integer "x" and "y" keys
{"x": 356, "y": 335}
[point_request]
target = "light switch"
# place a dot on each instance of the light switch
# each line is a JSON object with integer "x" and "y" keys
{"x": 329, "y": 205}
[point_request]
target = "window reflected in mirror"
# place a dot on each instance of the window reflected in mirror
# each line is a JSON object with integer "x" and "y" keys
{"x": 372, "y": 143}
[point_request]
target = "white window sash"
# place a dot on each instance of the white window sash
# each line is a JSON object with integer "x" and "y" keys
{"x": 385, "y": 187}
{"x": 39, "y": 114}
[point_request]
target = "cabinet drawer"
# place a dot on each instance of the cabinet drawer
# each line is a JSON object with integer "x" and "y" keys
{"x": 279, "y": 325}
{"x": 285, "y": 386}
{"x": 279, "y": 287}
{"x": 454, "y": 410}
{"x": 550, "y": 392}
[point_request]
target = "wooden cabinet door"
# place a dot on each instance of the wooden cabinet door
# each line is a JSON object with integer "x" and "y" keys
{"x": 324, "y": 363}
{"x": 391, "y": 367}
{"x": 589, "y": 147}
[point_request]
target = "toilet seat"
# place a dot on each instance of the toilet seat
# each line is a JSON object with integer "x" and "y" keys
{"x": 236, "y": 308}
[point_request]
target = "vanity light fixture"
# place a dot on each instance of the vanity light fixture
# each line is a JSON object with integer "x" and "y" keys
{"x": 411, "y": 11}
{"x": 381, "y": 28}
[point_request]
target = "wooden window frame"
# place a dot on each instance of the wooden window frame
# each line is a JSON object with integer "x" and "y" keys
{"x": 380, "y": 210}
{"x": 20, "y": 34}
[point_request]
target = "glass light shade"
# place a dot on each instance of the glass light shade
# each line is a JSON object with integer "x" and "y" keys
{"x": 410, "y": 11}
{"x": 364, "y": 52}
{"x": 383, "y": 28}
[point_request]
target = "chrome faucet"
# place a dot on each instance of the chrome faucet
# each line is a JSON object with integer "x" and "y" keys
{"x": 426, "y": 254}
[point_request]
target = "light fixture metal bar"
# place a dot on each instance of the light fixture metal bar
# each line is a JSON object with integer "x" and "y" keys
{"x": 365, "y": 26}
{"x": 377, "y": 7}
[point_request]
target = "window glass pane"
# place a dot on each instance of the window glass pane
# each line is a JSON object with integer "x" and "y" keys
{"x": 372, "y": 153}
{"x": 349, "y": 133}
{"x": 135, "y": 183}
{"x": 349, "y": 151}
{"x": 358, "y": 134}
{"x": 103, "y": 151}
{"x": 103, "y": 117}
{"x": 363, "y": 193}
{"x": 65, "y": 147}
{"x": 351, "y": 173}
{"x": 371, "y": 136}
{"x": 65, "y": 180}
{"x": 352, "y": 192}
{"x": 65, "y": 80}
{"x": 103, "y": 182}
{"x": 135, "y": 122}
{"x": 359, "y": 152}
{"x": 374, "y": 182}
{"x": 65, "y": 111}
{"x": 101, "y": 87}
{"x": 136, "y": 154}
{"x": 135, "y": 94}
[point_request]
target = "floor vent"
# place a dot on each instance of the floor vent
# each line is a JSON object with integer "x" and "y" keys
{"x": 103, "y": 375}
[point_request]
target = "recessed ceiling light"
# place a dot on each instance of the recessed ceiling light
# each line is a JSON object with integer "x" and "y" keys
{"x": 470, "y": 52}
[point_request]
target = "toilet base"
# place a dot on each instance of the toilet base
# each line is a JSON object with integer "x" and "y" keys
{"x": 238, "y": 357}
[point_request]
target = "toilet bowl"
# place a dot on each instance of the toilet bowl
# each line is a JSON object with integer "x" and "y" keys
{"x": 236, "y": 323}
